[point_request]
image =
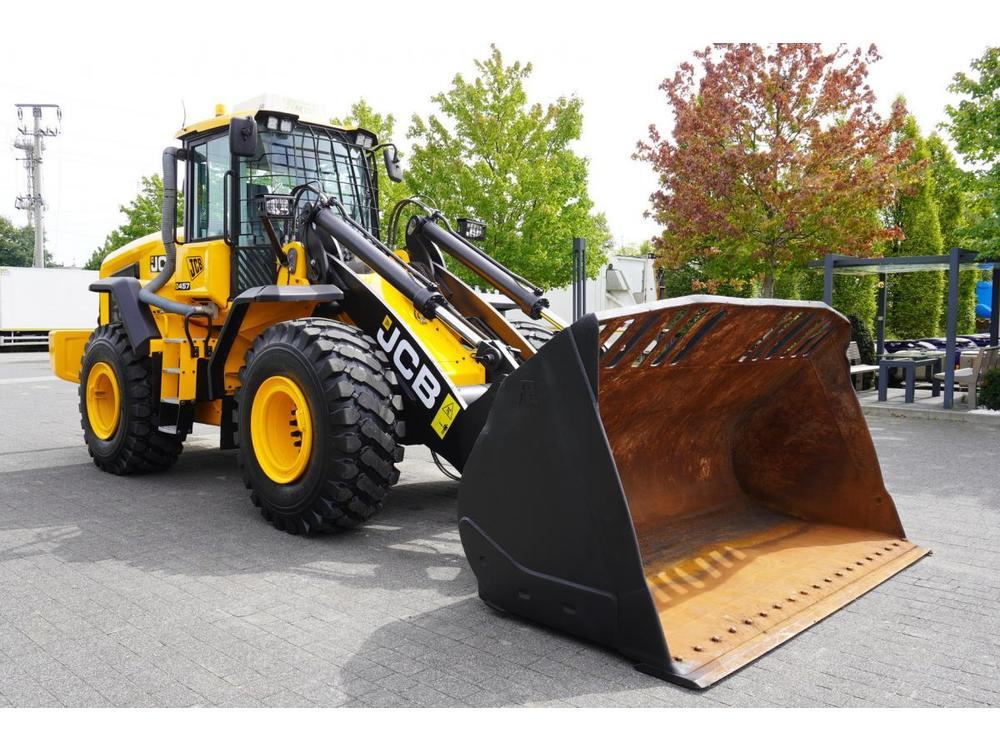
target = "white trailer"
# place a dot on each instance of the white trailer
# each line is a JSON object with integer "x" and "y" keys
{"x": 34, "y": 301}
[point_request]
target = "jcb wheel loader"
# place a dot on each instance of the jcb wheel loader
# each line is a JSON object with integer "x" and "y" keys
{"x": 690, "y": 482}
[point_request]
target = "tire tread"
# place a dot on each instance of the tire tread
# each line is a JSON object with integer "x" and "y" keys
{"x": 363, "y": 413}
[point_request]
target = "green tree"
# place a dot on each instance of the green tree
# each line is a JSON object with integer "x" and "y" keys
{"x": 383, "y": 126}
{"x": 143, "y": 216}
{"x": 974, "y": 124}
{"x": 914, "y": 299}
{"x": 950, "y": 196}
{"x": 17, "y": 244}
{"x": 493, "y": 156}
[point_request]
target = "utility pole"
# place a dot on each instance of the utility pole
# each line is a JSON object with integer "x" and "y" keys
{"x": 33, "y": 144}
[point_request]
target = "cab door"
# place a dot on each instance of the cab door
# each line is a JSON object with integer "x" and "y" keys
{"x": 204, "y": 259}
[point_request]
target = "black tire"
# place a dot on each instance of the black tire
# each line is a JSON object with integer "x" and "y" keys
{"x": 352, "y": 394}
{"x": 535, "y": 334}
{"x": 137, "y": 446}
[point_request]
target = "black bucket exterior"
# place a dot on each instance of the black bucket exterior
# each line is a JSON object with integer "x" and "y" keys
{"x": 542, "y": 513}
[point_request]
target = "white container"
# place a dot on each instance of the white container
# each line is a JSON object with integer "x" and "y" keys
{"x": 34, "y": 301}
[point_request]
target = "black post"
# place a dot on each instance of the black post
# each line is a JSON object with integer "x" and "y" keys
{"x": 883, "y": 292}
{"x": 949, "y": 349}
{"x": 995, "y": 307}
{"x": 579, "y": 277}
{"x": 828, "y": 278}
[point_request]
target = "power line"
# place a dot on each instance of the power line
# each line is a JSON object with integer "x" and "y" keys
{"x": 32, "y": 143}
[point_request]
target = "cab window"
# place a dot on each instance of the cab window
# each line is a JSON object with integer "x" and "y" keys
{"x": 210, "y": 161}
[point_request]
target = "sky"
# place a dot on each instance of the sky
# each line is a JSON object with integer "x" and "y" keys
{"x": 124, "y": 74}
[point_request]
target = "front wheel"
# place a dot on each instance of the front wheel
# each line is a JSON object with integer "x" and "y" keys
{"x": 119, "y": 407}
{"x": 535, "y": 334}
{"x": 318, "y": 426}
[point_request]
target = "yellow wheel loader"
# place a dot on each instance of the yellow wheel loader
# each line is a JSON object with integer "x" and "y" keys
{"x": 690, "y": 482}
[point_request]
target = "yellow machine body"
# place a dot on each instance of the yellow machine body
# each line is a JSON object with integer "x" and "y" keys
{"x": 205, "y": 266}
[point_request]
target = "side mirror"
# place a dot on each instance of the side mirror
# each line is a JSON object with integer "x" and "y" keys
{"x": 393, "y": 166}
{"x": 243, "y": 136}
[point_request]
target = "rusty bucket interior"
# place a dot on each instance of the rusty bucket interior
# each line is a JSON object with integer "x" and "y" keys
{"x": 751, "y": 479}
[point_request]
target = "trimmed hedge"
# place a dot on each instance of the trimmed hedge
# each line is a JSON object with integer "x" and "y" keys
{"x": 852, "y": 295}
{"x": 914, "y": 299}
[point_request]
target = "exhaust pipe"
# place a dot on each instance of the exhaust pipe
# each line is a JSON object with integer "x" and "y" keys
{"x": 168, "y": 224}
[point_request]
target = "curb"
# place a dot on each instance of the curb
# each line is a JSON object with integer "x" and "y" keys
{"x": 979, "y": 416}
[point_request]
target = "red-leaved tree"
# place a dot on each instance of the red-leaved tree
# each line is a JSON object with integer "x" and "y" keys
{"x": 776, "y": 157}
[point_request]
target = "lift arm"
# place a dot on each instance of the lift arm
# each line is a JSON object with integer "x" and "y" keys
{"x": 529, "y": 299}
{"x": 426, "y": 297}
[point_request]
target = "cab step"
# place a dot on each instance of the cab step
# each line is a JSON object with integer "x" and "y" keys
{"x": 176, "y": 417}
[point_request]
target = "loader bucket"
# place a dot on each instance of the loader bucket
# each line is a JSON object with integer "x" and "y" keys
{"x": 689, "y": 482}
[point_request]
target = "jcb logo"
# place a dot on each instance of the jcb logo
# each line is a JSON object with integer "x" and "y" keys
{"x": 157, "y": 263}
{"x": 407, "y": 361}
{"x": 195, "y": 266}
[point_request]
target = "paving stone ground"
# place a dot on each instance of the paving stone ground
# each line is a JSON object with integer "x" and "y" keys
{"x": 171, "y": 591}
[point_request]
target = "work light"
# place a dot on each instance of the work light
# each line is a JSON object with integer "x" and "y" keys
{"x": 472, "y": 229}
{"x": 281, "y": 124}
{"x": 276, "y": 206}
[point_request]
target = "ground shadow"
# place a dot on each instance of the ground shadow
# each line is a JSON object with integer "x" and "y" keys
{"x": 468, "y": 654}
{"x": 196, "y": 519}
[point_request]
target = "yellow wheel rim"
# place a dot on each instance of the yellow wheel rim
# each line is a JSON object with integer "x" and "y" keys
{"x": 281, "y": 429}
{"x": 104, "y": 400}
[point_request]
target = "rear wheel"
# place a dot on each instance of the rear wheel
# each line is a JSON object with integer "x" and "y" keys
{"x": 535, "y": 334}
{"x": 318, "y": 426}
{"x": 119, "y": 407}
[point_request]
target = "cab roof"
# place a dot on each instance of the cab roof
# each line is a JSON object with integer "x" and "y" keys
{"x": 264, "y": 103}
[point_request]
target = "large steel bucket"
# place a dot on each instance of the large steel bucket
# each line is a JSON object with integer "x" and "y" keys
{"x": 691, "y": 482}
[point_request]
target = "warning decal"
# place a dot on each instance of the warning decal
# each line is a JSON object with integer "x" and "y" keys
{"x": 445, "y": 416}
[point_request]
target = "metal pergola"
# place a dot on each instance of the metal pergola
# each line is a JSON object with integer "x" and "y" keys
{"x": 955, "y": 261}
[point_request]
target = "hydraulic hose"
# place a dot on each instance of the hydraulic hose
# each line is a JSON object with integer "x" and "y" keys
{"x": 168, "y": 223}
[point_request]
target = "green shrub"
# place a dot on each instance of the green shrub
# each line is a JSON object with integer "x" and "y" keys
{"x": 966, "y": 302}
{"x": 989, "y": 391}
{"x": 786, "y": 284}
{"x": 862, "y": 334}
{"x": 914, "y": 304}
{"x": 852, "y": 295}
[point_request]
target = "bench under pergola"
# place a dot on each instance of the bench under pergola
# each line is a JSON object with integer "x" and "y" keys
{"x": 953, "y": 262}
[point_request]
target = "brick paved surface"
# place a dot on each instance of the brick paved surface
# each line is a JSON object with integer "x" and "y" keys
{"x": 171, "y": 590}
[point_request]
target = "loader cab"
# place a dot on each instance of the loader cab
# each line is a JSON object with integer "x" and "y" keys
{"x": 222, "y": 188}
